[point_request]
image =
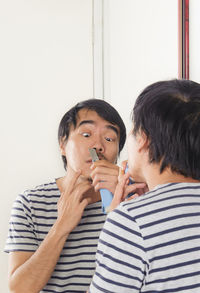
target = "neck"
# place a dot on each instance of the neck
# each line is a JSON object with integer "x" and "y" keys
{"x": 154, "y": 178}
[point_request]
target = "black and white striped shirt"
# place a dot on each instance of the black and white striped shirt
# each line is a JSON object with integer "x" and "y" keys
{"x": 33, "y": 214}
{"x": 152, "y": 244}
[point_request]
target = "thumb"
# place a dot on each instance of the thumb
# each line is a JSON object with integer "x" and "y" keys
{"x": 119, "y": 192}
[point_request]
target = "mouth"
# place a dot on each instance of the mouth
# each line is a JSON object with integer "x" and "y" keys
{"x": 101, "y": 157}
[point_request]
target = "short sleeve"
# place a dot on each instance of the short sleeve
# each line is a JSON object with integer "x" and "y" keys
{"x": 121, "y": 257}
{"x": 21, "y": 234}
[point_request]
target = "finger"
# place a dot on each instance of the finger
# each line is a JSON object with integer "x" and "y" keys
{"x": 121, "y": 172}
{"x": 86, "y": 201}
{"x": 123, "y": 177}
{"x": 119, "y": 193}
{"x": 101, "y": 171}
{"x": 124, "y": 164}
{"x": 122, "y": 168}
{"x": 140, "y": 191}
{"x": 104, "y": 163}
{"x": 135, "y": 187}
{"x": 70, "y": 181}
{"x": 80, "y": 189}
{"x": 105, "y": 179}
{"x": 105, "y": 185}
{"x": 132, "y": 197}
{"x": 120, "y": 187}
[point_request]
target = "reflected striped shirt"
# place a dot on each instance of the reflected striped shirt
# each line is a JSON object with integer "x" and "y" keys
{"x": 152, "y": 244}
{"x": 33, "y": 214}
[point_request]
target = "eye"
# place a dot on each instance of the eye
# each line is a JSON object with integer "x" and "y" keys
{"x": 109, "y": 139}
{"x": 86, "y": 134}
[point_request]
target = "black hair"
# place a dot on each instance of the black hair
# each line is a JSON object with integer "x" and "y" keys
{"x": 168, "y": 112}
{"x": 102, "y": 108}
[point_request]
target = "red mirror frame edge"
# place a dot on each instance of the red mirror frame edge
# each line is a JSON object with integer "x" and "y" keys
{"x": 183, "y": 39}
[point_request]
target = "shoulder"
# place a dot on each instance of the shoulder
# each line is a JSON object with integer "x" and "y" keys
{"x": 45, "y": 187}
{"x": 148, "y": 200}
{"x": 45, "y": 192}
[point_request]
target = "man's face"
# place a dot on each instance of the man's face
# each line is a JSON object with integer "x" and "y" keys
{"x": 91, "y": 131}
{"x": 135, "y": 156}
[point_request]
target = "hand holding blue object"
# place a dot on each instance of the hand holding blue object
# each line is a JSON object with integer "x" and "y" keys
{"x": 106, "y": 195}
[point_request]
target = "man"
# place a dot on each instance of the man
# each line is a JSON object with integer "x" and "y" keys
{"x": 54, "y": 228}
{"x": 152, "y": 243}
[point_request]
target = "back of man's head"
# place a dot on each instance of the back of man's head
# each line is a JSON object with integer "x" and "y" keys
{"x": 102, "y": 108}
{"x": 168, "y": 112}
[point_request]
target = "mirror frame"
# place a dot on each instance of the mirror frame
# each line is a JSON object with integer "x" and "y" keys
{"x": 183, "y": 28}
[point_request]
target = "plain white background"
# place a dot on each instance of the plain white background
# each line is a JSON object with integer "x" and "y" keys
{"x": 47, "y": 64}
{"x": 143, "y": 48}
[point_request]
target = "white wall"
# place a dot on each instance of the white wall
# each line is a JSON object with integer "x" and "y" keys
{"x": 45, "y": 67}
{"x": 142, "y": 47}
{"x": 194, "y": 36}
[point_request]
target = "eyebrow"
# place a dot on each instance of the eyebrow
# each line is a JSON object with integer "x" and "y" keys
{"x": 112, "y": 127}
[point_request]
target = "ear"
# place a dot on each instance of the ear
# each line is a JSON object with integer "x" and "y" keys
{"x": 143, "y": 142}
{"x": 62, "y": 144}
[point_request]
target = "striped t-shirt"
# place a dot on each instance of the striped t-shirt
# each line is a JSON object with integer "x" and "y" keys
{"x": 33, "y": 214}
{"x": 152, "y": 244}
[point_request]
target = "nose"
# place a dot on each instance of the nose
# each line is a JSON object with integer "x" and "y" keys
{"x": 99, "y": 150}
{"x": 98, "y": 145}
